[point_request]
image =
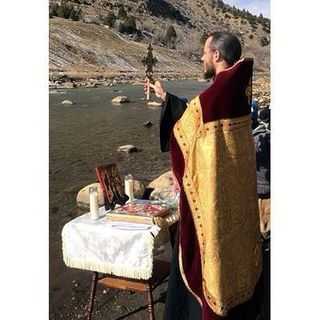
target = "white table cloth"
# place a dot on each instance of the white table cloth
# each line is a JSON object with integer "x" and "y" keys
{"x": 122, "y": 249}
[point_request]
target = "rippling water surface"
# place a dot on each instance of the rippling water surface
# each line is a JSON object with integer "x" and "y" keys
{"x": 87, "y": 134}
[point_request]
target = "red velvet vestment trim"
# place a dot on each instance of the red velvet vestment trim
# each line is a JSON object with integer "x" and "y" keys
{"x": 226, "y": 98}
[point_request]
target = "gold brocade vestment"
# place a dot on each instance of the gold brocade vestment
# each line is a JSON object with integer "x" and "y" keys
{"x": 220, "y": 184}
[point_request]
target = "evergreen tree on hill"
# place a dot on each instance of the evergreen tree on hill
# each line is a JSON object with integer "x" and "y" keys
{"x": 171, "y": 37}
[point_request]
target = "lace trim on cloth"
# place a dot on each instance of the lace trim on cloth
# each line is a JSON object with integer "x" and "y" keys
{"x": 98, "y": 246}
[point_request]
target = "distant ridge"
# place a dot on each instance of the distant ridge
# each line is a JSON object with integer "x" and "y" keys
{"x": 106, "y": 37}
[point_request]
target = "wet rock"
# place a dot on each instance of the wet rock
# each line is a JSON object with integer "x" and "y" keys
{"x": 92, "y": 85}
{"x": 164, "y": 186}
{"x": 69, "y": 102}
{"x": 68, "y": 85}
{"x": 148, "y": 124}
{"x": 120, "y": 99}
{"x": 128, "y": 148}
{"x": 154, "y": 103}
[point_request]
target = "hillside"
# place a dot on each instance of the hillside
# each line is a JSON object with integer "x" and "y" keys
{"x": 107, "y": 39}
{"x": 78, "y": 47}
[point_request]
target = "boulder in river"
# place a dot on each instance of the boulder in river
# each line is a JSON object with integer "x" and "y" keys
{"x": 154, "y": 103}
{"x": 83, "y": 197}
{"x": 128, "y": 148}
{"x": 67, "y": 102}
{"x": 148, "y": 124}
{"x": 164, "y": 186}
{"x": 120, "y": 99}
{"x": 68, "y": 85}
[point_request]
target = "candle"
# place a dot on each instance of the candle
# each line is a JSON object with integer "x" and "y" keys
{"x": 128, "y": 186}
{"x": 94, "y": 207}
{"x": 148, "y": 92}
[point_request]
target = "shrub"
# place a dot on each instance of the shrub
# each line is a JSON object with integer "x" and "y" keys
{"x": 171, "y": 33}
{"x": 219, "y": 4}
{"x": 131, "y": 24}
{"x": 53, "y": 10}
{"x": 60, "y": 12}
{"x": 75, "y": 14}
{"x": 260, "y": 18}
{"x": 266, "y": 29}
{"x": 64, "y": 10}
{"x": 109, "y": 20}
{"x": 122, "y": 13}
{"x": 171, "y": 37}
{"x": 264, "y": 41}
{"x": 253, "y": 26}
{"x": 128, "y": 26}
{"x": 251, "y": 36}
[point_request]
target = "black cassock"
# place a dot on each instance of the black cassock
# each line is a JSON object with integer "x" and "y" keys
{"x": 180, "y": 303}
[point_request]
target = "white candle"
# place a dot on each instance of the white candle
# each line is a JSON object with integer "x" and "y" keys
{"x": 148, "y": 92}
{"x": 128, "y": 187}
{"x": 94, "y": 207}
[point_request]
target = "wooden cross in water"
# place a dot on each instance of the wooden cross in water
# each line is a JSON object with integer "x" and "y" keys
{"x": 149, "y": 61}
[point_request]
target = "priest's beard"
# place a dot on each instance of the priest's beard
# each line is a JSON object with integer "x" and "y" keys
{"x": 209, "y": 73}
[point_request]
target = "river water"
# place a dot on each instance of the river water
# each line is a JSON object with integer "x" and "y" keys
{"x": 87, "y": 134}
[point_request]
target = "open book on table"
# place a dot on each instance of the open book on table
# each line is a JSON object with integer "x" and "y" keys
{"x": 138, "y": 211}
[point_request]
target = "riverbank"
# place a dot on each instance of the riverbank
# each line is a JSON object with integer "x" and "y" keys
{"x": 70, "y": 80}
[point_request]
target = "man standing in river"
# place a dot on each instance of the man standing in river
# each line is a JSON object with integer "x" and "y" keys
{"x": 216, "y": 263}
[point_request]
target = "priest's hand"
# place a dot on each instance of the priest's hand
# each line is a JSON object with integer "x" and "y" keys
{"x": 158, "y": 89}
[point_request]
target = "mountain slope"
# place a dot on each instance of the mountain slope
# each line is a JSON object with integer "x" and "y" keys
{"x": 77, "y": 46}
{"x": 88, "y": 46}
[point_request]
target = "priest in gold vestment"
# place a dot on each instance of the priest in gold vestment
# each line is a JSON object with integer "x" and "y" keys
{"x": 217, "y": 259}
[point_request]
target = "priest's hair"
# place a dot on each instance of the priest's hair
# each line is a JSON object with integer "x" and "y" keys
{"x": 227, "y": 44}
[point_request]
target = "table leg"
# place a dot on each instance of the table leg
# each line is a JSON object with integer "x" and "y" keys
{"x": 92, "y": 294}
{"x": 150, "y": 303}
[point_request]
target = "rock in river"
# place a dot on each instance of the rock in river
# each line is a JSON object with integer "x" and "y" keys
{"x": 128, "y": 148}
{"x": 148, "y": 124}
{"x": 154, "y": 103}
{"x": 83, "y": 197}
{"x": 164, "y": 186}
{"x": 67, "y": 102}
{"x": 120, "y": 99}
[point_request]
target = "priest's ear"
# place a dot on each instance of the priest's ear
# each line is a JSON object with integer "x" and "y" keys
{"x": 217, "y": 57}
